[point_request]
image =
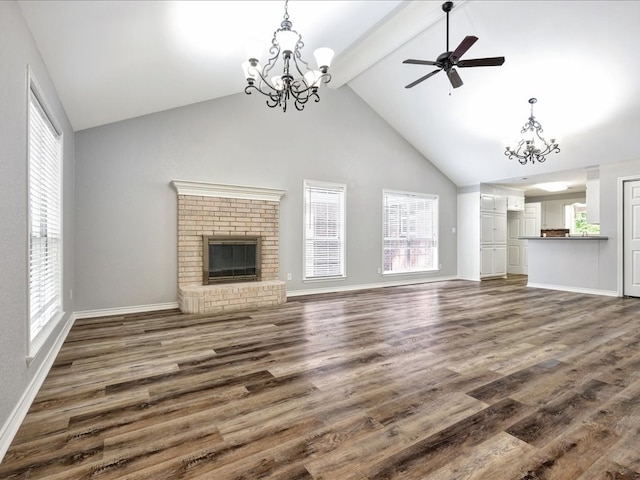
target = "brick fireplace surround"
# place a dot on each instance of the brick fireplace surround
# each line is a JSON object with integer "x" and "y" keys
{"x": 218, "y": 209}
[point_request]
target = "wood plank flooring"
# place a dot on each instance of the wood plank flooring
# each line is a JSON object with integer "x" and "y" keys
{"x": 451, "y": 380}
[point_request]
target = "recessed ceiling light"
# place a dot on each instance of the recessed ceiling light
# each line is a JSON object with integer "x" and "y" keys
{"x": 552, "y": 186}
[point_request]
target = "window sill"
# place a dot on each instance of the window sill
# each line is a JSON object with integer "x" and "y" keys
{"x": 43, "y": 335}
{"x": 421, "y": 272}
{"x": 323, "y": 279}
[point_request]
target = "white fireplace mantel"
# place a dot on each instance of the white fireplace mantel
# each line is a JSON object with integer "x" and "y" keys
{"x": 204, "y": 189}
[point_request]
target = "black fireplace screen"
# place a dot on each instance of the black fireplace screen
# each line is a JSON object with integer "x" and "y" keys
{"x": 229, "y": 259}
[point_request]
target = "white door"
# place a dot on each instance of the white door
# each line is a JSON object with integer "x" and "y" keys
{"x": 521, "y": 224}
{"x": 631, "y": 239}
{"x": 515, "y": 263}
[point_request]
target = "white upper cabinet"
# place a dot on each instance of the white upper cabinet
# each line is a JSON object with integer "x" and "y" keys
{"x": 553, "y": 214}
{"x": 486, "y": 202}
{"x": 515, "y": 203}
{"x": 493, "y": 203}
{"x": 593, "y": 201}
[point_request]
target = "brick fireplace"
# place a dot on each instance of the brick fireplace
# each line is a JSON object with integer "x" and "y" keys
{"x": 208, "y": 209}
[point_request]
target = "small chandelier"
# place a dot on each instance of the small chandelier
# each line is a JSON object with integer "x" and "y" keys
{"x": 533, "y": 147}
{"x": 297, "y": 82}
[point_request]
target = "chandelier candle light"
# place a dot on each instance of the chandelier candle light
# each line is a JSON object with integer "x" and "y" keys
{"x": 533, "y": 148}
{"x": 297, "y": 82}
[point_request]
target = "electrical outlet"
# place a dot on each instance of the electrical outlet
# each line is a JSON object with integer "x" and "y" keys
{"x": 453, "y": 230}
{"x": 379, "y": 270}
{"x": 288, "y": 276}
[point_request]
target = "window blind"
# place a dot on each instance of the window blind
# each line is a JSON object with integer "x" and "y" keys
{"x": 324, "y": 228}
{"x": 45, "y": 232}
{"x": 410, "y": 237}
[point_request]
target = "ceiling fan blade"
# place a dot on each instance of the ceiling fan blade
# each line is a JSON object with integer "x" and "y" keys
{"x": 481, "y": 62}
{"x": 413, "y": 84}
{"x": 465, "y": 45}
{"x": 419, "y": 62}
{"x": 454, "y": 78}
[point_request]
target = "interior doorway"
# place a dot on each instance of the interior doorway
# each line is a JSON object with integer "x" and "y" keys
{"x": 524, "y": 223}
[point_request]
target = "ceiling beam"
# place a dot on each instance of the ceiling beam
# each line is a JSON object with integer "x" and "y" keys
{"x": 407, "y": 21}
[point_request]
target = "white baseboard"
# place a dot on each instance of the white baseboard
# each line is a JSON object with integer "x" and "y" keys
{"x": 11, "y": 426}
{"x": 350, "y": 288}
{"x": 108, "y": 312}
{"x": 470, "y": 279}
{"x": 565, "y": 288}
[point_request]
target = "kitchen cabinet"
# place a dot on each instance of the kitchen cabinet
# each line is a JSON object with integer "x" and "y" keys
{"x": 552, "y": 214}
{"x": 493, "y": 203}
{"x": 493, "y": 261}
{"x": 515, "y": 203}
{"x": 593, "y": 201}
{"x": 493, "y": 235}
{"x": 482, "y": 231}
{"x": 493, "y": 228}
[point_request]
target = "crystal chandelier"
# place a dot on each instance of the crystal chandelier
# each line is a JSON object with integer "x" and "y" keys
{"x": 297, "y": 82}
{"x": 533, "y": 147}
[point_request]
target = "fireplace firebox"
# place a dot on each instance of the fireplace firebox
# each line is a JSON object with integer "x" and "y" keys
{"x": 230, "y": 259}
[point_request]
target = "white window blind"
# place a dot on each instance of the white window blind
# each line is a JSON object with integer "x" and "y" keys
{"x": 324, "y": 230}
{"x": 45, "y": 229}
{"x": 410, "y": 227}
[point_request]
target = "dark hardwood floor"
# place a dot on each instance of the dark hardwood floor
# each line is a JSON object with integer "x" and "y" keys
{"x": 452, "y": 380}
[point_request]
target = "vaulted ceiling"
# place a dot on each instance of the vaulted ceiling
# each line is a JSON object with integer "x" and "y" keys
{"x": 112, "y": 60}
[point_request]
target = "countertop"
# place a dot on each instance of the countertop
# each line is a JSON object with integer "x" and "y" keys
{"x": 574, "y": 237}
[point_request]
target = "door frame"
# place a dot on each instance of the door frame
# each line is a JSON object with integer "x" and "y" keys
{"x": 510, "y": 243}
{"x": 620, "y": 204}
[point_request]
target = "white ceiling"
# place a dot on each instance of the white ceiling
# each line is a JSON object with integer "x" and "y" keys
{"x": 112, "y": 60}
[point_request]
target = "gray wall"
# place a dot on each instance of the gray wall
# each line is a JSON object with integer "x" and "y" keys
{"x": 17, "y": 49}
{"x": 126, "y": 209}
{"x": 610, "y": 218}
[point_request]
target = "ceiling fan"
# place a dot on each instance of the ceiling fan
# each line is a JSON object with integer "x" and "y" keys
{"x": 448, "y": 60}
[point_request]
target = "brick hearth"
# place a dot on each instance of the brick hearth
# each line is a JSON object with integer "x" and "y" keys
{"x": 215, "y": 209}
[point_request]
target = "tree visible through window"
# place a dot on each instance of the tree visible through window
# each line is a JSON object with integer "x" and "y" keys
{"x": 576, "y": 220}
{"x": 324, "y": 230}
{"x": 410, "y": 226}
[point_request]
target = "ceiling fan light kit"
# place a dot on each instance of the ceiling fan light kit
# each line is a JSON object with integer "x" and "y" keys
{"x": 297, "y": 82}
{"x": 448, "y": 60}
{"x": 533, "y": 147}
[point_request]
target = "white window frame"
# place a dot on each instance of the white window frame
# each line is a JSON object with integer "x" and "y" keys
{"x": 44, "y": 176}
{"x": 405, "y": 227}
{"x": 570, "y": 219}
{"x": 341, "y": 191}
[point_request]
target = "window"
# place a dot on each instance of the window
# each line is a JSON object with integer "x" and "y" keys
{"x": 410, "y": 227}
{"x": 324, "y": 230}
{"x": 576, "y": 220}
{"x": 45, "y": 206}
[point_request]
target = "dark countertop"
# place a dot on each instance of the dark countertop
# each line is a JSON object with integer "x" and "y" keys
{"x": 575, "y": 237}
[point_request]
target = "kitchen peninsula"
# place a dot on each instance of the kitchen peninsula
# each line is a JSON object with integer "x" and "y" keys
{"x": 570, "y": 263}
